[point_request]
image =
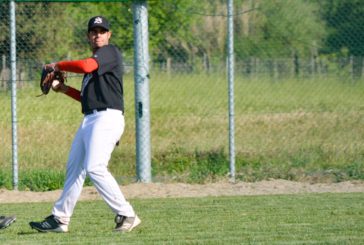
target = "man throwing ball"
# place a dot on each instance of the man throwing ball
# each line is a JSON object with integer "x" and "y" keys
{"x": 102, "y": 103}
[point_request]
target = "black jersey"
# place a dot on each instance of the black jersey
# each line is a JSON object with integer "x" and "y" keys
{"x": 103, "y": 88}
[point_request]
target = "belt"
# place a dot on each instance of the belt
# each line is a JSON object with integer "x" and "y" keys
{"x": 89, "y": 112}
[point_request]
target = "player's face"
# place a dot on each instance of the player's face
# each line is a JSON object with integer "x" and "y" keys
{"x": 98, "y": 37}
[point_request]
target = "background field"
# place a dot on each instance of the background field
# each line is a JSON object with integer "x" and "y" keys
{"x": 273, "y": 219}
{"x": 293, "y": 129}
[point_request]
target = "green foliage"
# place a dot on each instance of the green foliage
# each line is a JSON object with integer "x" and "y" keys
{"x": 209, "y": 166}
{"x": 355, "y": 170}
{"x": 198, "y": 167}
{"x": 204, "y": 167}
{"x": 309, "y": 166}
{"x": 170, "y": 24}
{"x": 271, "y": 219}
{"x": 42, "y": 180}
{"x": 5, "y": 179}
{"x": 279, "y": 29}
{"x": 344, "y": 20}
{"x": 35, "y": 37}
{"x": 36, "y": 180}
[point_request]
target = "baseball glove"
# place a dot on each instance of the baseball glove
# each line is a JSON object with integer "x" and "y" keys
{"x": 48, "y": 77}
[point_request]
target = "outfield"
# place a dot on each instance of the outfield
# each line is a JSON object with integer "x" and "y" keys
{"x": 270, "y": 219}
{"x": 290, "y": 129}
{"x": 295, "y": 130}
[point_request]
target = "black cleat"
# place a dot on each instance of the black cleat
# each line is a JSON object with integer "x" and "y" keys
{"x": 49, "y": 224}
{"x": 6, "y": 221}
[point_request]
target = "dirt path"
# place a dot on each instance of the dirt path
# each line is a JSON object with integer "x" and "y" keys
{"x": 154, "y": 190}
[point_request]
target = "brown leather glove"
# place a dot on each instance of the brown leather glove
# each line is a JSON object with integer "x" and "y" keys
{"x": 51, "y": 77}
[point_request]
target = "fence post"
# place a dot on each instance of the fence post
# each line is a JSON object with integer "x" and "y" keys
{"x": 13, "y": 93}
{"x": 141, "y": 84}
{"x": 230, "y": 66}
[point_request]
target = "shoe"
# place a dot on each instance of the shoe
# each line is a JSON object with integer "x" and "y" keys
{"x": 126, "y": 224}
{"x": 6, "y": 221}
{"x": 49, "y": 224}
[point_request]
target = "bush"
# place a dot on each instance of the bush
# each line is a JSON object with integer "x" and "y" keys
{"x": 36, "y": 180}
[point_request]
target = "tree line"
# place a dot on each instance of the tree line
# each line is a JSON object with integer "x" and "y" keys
{"x": 186, "y": 31}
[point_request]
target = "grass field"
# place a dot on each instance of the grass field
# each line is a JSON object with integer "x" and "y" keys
{"x": 297, "y": 130}
{"x": 291, "y": 129}
{"x": 272, "y": 219}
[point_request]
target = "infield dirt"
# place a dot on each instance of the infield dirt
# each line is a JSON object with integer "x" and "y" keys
{"x": 174, "y": 190}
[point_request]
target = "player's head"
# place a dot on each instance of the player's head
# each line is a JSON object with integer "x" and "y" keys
{"x": 98, "y": 21}
{"x": 98, "y": 32}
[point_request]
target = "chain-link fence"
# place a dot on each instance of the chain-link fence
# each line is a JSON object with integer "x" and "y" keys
{"x": 298, "y": 86}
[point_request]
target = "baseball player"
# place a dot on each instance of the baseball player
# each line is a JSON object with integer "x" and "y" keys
{"x": 6, "y": 221}
{"x": 101, "y": 98}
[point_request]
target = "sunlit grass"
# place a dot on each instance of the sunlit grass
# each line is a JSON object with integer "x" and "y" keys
{"x": 271, "y": 219}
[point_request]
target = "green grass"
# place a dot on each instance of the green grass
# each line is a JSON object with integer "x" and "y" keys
{"x": 291, "y": 129}
{"x": 277, "y": 219}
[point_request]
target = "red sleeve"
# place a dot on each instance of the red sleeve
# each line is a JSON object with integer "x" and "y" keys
{"x": 73, "y": 93}
{"x": 78, "y": 66}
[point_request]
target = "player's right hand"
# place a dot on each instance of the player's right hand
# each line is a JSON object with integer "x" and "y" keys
{"x": 60, "y": 87}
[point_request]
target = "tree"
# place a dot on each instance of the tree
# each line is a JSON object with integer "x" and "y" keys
{"x": 345, "y": 20}
{"x": 279, "y": 29}
{"x": 170, "y": 34}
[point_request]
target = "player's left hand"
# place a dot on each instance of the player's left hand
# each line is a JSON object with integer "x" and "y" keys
{"x": 50, "y": 77}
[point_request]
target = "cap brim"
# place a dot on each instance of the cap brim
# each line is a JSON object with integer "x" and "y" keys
{"x": 98, "y": 26}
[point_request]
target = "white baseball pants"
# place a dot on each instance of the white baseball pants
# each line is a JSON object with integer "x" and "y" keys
{"x": 90, "y": 153}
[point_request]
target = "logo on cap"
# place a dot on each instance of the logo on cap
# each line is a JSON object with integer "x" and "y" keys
{"x": 98, "y": 20}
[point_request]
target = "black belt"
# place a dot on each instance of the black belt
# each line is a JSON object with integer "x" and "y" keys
{"x": 89, "y": 112}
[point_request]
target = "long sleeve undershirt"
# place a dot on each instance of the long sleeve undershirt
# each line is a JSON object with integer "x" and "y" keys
{"x": 77, "y": 66}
